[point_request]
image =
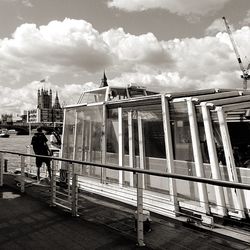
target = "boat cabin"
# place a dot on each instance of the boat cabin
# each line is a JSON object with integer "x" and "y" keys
{"x": 204, "y": 133}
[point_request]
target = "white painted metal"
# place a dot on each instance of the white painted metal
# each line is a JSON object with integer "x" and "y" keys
{"x": 90, "y": 155}
{"x": 231, "y": 167}
{"x": 141, "y": 146}
{"x": 220, "y": 198}
{"x": 217, "y": 96}
{"x": 131, "y": 142}
{"x": 202, "y": 189}
{"x": 104, "y": 142}
{"x": 169, "y": 151}
{"x": 75, "y": 136}
{"x": 232, "y": 100}
{"x": 120, "y": 146}
{"x": 238, "y": 106}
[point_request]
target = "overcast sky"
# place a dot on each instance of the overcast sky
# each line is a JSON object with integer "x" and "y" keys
{"x": 165, "y": 45}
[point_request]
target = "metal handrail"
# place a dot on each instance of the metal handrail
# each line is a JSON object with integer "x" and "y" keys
{"x": 142, "y": 171}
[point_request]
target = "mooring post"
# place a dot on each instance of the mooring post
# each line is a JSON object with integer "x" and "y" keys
{"x": 140, "y": 236}
{"x": 1, "y": 169}
{"x": 22, "y": 174}
{"x": 53, "y": 184}
{"x": 74, "y": 194}
{"x": 5, "y": 165}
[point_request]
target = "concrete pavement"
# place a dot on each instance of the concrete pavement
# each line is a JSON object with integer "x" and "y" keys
{"x": 28, "y": 222}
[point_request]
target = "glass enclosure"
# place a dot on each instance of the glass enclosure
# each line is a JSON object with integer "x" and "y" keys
{"x": 133, "y": 134}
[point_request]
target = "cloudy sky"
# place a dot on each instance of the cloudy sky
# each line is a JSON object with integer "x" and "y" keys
{"x": 165, "y": 45}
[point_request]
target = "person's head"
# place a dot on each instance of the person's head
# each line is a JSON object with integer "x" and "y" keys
{"x": 39, "y": 130}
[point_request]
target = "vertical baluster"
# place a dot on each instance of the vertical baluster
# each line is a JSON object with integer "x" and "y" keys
{"x": 74, "y": 195}
{"x": 22, "y": 174}
{"x": 140, "y": 236}
{"x": 1, "y": 168}
{"x": 53, "y": 184}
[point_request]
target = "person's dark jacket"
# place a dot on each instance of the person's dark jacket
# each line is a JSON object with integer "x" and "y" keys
{"x": 39, "y": 143}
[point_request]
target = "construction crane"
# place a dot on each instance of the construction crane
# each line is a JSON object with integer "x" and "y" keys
{"x": 244, "y": 70}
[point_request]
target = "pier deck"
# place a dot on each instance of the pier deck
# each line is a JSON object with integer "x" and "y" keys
{"x": 28, "y": 222}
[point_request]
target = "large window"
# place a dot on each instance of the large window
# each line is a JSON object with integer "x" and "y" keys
{"x": 181, "y": 137}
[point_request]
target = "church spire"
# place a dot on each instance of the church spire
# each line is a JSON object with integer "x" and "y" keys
{"x": 56, "y": 103}
{"x": 104, "y": 82}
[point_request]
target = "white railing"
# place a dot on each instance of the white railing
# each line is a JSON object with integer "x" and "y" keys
{"x": 69, "y": 200}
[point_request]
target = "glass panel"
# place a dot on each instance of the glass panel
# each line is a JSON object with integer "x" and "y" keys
{"x": 183, "y": 150}
{"x": 154, "y": 146}
{"x": 88, "y": 137}
{"x": 68, "y": 139}
{"x": 182, "y": 144}
{"x": 94, "y": 96}
{"x": 112, "y": 154}
{"x": 202, "y": 135}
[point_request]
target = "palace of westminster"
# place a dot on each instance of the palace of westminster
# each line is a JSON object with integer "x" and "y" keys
{"x": 46, "y": 111}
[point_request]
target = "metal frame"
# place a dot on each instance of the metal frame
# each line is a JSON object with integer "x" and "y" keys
{"x": 230, "y": 163}
{"x": 131, "y": 146}
{"x": 120, "y": 146}
{"x": 104, "y": 143}
{"x": 169, "y": 151}
{"x": 202, "y": 189}
{"x": 219, "y": 194}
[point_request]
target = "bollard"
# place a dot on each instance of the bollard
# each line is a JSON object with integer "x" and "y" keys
{"x": 5, "y": 165}
{"x": 140, "y": 237}
{"x": 1, "y": 169}
{"x": 22, "y": 174}
{"x": 53, "y": 184}
{"x": 74, "y": 193}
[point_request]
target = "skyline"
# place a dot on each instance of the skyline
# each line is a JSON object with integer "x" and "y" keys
{"x": 160, "y": 44}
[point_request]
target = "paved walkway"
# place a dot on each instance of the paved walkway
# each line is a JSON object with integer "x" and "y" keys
{"x": 28, "y": 222}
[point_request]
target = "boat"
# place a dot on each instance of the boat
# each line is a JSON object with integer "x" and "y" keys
{"x": 206, "y": 133}
{"x": 12, "y": 131}
{"x": 4, "y": 133}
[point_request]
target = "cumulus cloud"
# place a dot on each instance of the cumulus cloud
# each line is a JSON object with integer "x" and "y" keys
{"x": 180, "y": 7}
{"x": 25, "y": 98}
{"x": 136, "y": 49}
{"x": 72, "y": 50}
{"x": 207, "y": 62}
{"x": 64, "y": 46}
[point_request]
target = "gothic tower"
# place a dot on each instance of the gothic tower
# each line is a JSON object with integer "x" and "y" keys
{"x": 44, "y": 99}
{"x": 104, "y": 82}
{"x": 56, "y": 103}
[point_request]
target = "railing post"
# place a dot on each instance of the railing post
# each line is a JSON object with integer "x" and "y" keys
{"x": 140, "y": 236}
{"x": 74, "y": 194}
{"x": 120, "y": 146}
{"x": 22, "y": 174}
{"x": 1, "y": 169}
{"x": 53, "y": 184}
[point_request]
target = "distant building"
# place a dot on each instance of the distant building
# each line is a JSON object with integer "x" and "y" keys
{"x": 6, "y": 119}
{"x": 45, "y": 111}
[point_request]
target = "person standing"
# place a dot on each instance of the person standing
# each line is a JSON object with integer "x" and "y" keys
{"x": 55, "y": 140}
{"x": 40, "y": 147}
